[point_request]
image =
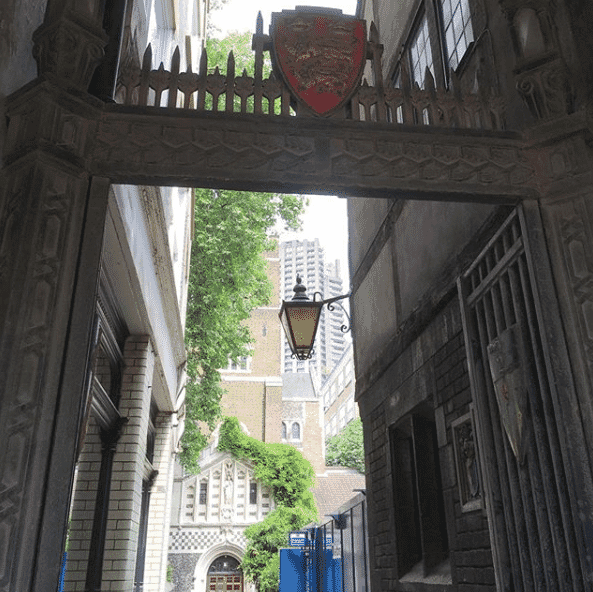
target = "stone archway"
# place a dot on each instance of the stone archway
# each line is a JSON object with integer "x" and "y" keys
{"x": 224, "y": 575}
{"x": 65, "y": 148}
{"x": 206, "y": 561}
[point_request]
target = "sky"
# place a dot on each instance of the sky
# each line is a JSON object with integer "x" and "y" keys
{"x": 325, "y": 217}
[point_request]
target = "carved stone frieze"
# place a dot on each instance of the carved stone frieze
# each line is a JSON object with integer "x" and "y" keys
{"x": 134, "y": 146}
{"x": 462, "y": 161}
{"x": 467, "y": 463}
{"x": 68, "y": 52}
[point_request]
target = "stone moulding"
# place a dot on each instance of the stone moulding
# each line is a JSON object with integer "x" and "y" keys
{"x": 175, "y": 147}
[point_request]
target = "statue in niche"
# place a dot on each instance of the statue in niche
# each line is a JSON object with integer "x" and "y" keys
{"x": 467, "y": 451}
{"x": 228, "y": 483}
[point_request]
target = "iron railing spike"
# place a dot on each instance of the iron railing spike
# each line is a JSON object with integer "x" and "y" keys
{"x": 374, "y": 33}
{"x": 147, "y": 58}
{"x": 203, "y": 63}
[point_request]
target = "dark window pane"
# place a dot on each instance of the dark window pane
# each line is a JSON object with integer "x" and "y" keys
{"x": 203, "y": 493}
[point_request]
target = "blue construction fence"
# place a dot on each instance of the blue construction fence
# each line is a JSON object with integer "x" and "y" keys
{"x": 62, "y": 572}
{"x": 332, "y": 557}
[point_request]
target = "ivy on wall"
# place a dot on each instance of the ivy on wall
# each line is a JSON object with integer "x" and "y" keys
{"x": 290, "y": 477}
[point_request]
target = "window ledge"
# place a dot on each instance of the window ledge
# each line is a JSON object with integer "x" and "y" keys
{"x": 441, "y": 575}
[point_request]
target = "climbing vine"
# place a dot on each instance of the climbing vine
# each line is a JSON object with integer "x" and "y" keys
{"x": 290, "y": 476}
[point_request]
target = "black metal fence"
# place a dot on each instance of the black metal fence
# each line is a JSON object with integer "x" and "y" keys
{"x": 346, "y": 536}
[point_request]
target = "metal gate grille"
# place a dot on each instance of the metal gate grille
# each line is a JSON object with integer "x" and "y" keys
{"x": 346, "y": 537}
{"x": 531, "y": 526}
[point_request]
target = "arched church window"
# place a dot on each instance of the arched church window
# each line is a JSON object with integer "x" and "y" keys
{"x": 283, "y": 431}
{"x": 296, "y": 431}
{"x": 224, "y": 564}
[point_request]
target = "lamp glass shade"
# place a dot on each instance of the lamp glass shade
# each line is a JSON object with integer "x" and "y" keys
{"x": 300, "y": 320}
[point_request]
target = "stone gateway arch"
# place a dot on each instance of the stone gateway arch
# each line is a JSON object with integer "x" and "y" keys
{"x": 171, "y": 126}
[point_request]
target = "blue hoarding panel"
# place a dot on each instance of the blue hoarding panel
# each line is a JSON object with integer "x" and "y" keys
{"x": 292, "y": 570}
{"x": 333, "y": 574}
{"x": 308, "y": 571}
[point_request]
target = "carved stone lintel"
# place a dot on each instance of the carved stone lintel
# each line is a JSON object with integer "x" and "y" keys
{"x": 68, "y": 53}
{"x": 371, "y": 162}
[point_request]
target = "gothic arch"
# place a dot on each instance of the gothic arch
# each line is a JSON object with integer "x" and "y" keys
{"x": 209, "y": 556}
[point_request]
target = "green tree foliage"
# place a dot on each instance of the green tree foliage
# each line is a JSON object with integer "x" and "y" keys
{"x": 290, "y": 476}
{"x": 240, "y": 44}
{"x": 227, "y": 281}
{"x": 346, "y": 449}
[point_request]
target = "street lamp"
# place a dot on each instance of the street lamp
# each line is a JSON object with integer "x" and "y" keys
{"x": 300, "y": 318}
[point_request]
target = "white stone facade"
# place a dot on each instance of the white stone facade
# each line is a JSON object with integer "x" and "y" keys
{"x": 211, "y": 511}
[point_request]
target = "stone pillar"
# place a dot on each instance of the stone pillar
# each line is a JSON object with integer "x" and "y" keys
{"x": 49, "y": 259}
{"x": 562, "y": 229}
{"x": 125, "y": 504}
{"x": 559, "y": 241}
{"x": 159, "y": 516}
{"x": 51, "y": 231}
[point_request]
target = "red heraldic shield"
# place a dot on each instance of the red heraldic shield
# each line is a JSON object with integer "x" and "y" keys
{"x": 321, "y": 56}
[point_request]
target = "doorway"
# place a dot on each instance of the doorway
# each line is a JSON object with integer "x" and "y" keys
{"x": 224, "y": 575}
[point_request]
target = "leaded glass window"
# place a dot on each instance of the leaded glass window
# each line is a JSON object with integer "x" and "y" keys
{"x": 420, "y": 53}
{"x": 457, "y": 27}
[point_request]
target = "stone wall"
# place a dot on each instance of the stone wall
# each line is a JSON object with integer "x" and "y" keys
{"x": 430, "y": 380}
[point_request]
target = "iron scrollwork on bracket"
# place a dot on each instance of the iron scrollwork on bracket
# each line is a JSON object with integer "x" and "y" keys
{"x": 331, "y": 304}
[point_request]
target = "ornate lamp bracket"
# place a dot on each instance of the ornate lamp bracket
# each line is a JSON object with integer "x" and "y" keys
{"x": 331, "y": 304}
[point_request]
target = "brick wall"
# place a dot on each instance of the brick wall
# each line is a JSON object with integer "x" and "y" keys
{"x": 471, "y": 557}
{"x": 430, "y": 374}
{"x": 255, "y": 395}
{"x": 380, "y": 503}
{"x": 83, "y": 509}
{"x": 128, "y": 468}
{"x": 160, "y": 507}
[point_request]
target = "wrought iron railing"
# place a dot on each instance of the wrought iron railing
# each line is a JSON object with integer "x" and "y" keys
{"x": 231, "y": 93}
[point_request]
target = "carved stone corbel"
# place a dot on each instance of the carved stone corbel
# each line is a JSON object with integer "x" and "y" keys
{"x": 545, "y": 89}
{"x": 67, "y": 52}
